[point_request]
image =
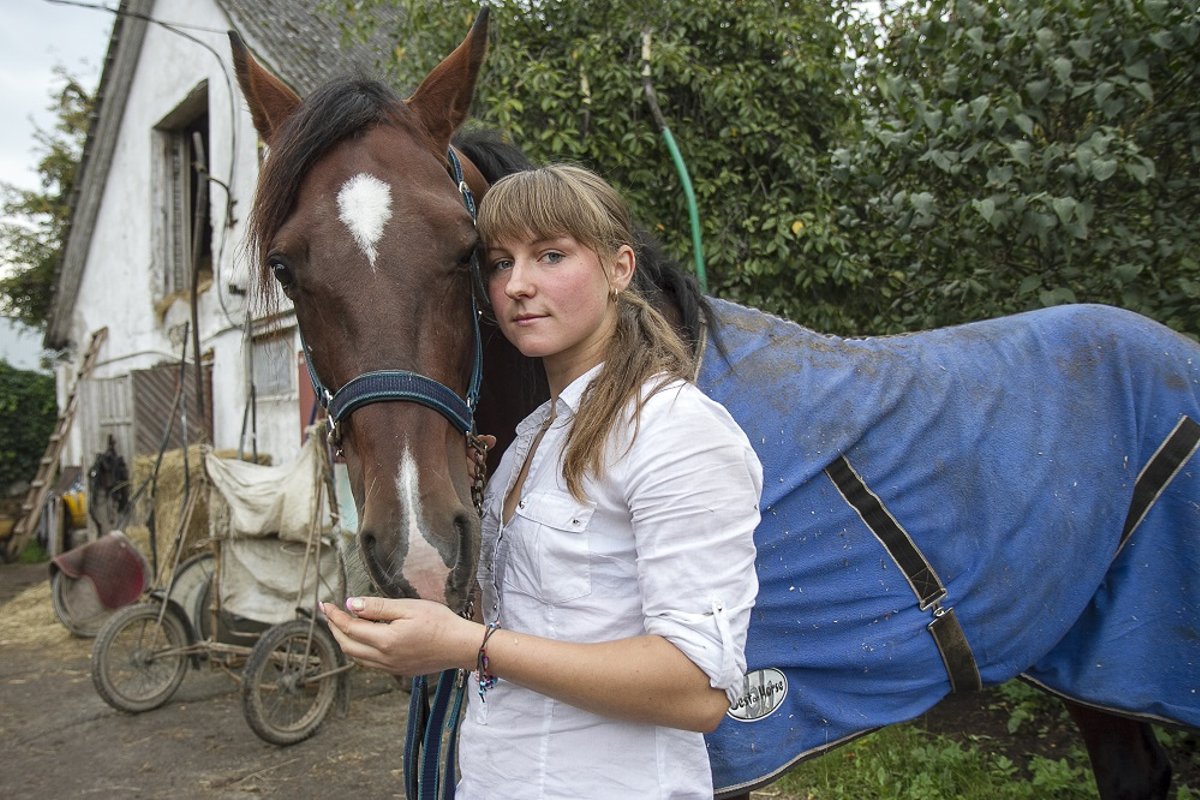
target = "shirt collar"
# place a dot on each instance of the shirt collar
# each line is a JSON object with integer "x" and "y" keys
{"x": 567, "y": 403}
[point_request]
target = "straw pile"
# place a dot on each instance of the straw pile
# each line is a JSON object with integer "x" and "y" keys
{"x": 28, "y": 619}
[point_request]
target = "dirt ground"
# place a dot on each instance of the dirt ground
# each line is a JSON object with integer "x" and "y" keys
{"x": 60, "y": 740}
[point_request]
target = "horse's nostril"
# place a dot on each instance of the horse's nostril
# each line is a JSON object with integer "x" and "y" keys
{"x": 466, "y": 529}
{"x": 367, "y": 551}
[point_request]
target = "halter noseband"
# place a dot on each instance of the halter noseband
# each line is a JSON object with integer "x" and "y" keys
{"x": 396, "y": 385}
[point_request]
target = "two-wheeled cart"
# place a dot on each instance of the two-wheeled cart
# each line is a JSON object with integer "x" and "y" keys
{"x": 247, "y": 607}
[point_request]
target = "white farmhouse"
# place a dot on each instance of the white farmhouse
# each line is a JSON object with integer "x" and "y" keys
{"x": 155, "y": 250}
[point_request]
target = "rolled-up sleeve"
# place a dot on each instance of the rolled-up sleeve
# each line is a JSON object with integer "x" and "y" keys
{"x": 693, "y": 485}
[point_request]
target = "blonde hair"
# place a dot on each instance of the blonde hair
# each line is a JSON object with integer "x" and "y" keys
{"x": 560, "y": 200}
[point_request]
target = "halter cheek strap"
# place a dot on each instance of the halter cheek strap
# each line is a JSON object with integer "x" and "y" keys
{"x": 402, "y": 385}
{"x": 479, "y": 296}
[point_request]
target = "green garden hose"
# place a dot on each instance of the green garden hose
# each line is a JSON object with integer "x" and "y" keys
{"x": 680, "y": 166}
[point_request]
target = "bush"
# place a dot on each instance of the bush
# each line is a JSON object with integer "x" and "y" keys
{"x": 28, "y": 414}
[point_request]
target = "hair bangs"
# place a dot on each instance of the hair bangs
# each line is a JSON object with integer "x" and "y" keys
{"x": 549, "y": 202}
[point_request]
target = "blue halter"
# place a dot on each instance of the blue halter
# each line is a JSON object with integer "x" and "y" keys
{"x": 396, "y": 385}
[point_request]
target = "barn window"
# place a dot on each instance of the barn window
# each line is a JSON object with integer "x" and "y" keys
{"x": 182, "y": 199}
{"x": 274, "y": 365}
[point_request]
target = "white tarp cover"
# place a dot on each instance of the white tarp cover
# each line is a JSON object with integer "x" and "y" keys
{"x": 260, "y": 579}
{"x": 252, "y": 500}
{"x": 263, "y": 518}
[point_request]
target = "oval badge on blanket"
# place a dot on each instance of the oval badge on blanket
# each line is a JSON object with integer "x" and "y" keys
{"x": 763, "y": 691}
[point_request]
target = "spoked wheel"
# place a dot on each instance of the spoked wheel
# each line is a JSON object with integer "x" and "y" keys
{"x": 77, "y": 605}
{"x": 290, "y": 681}
{"x": 138, "y": 662}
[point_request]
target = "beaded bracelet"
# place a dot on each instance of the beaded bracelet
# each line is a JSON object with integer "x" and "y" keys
{"x": 486, "y": 679}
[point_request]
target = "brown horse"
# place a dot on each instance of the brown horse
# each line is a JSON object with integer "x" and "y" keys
{"x": 364, "y": 219}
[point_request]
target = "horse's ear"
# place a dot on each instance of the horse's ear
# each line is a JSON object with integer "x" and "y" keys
{"x": 270, "y": 101}
{"x": 443, "y": 99}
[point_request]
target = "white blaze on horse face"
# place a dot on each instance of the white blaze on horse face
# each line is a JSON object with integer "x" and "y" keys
{"x": 423, "y": 566}
{"x": 365, "y": 206}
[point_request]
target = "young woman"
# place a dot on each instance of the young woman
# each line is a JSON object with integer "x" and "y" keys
{"x": 617, "y": 572}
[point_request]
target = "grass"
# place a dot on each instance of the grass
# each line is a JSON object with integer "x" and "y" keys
{"x": 32, "y": 553}
{"x": 904, "y": 762}
{"x": 907, "y": 762}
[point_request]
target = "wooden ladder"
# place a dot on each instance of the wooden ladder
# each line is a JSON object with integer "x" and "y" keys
{"x": 35, "y": 499}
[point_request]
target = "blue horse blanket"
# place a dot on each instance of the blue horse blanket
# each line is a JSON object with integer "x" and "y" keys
{"x": 1044, "y": 467}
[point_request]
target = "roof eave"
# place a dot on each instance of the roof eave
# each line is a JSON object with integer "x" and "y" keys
{"x": 124, "y": 49}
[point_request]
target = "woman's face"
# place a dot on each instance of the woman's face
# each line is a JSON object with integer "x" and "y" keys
{"x": 553, "y": 300}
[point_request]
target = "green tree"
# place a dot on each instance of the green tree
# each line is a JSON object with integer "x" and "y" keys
{"x": 970, "y": 159}
{"x": 28, "y": 413}
{"x": 756, "y": 93}
{"x": 1018, "y": 154}
{"x": 35, "y": 222}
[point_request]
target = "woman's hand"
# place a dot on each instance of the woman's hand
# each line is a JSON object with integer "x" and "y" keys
{"x": 404, "y": 637}
{"x": 643, "y": 678}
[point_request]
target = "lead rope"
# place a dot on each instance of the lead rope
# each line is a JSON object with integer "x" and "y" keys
{"x": 431, "y": 740}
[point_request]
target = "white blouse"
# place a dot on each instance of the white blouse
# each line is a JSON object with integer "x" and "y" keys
{"x": 663, "y": 545}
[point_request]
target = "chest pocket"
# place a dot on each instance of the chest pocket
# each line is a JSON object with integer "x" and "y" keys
{"x": 558, "y": 544}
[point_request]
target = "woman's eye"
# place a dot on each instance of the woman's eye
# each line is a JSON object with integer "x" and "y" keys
{"x": 553, "y": 257}
{"x": 283, "y": 274}
{"x": 500, "y": 264}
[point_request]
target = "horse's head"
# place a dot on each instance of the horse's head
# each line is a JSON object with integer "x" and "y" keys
{"x": 358, "y": 220}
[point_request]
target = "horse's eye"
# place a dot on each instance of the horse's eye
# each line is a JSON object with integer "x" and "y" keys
{"x": 283, "y": 274}
{"x": 468, "y": 256}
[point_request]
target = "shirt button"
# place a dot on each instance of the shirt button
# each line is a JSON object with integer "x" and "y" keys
{"x": 521, "y": 504}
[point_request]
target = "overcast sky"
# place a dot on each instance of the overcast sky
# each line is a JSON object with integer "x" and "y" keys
{"x": 35, "y": 37}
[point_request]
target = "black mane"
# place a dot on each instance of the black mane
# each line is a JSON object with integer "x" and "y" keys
{"x": 341, "y": 108}
{"x": 490, "y": 154}
{"x": 658, "y": 277}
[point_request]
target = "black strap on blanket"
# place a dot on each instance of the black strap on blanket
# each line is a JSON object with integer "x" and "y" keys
{"x": 428, "y": 765}
{"x": 1159, "y": 471}
{"x": 947, "y": 633}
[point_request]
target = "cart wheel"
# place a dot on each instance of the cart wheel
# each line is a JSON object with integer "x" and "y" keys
{"x": 288, "y": 685}
{"x": 77, "y": 606}
{"x": 137, "y": 663}
{"x": 190, "y": 588}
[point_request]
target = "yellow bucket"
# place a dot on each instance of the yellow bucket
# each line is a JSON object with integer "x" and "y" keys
{"x": 75, "y": 504}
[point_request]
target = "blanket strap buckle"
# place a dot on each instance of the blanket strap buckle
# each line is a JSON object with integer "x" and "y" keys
{"x": 945, "y": 629}
{"x": 954, "y": 649}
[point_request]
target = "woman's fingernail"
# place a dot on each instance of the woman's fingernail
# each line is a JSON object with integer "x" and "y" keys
{"x": 355, "y": 604}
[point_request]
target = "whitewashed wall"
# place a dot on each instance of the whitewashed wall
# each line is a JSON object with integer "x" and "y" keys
{"x": 119, "y": 287}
